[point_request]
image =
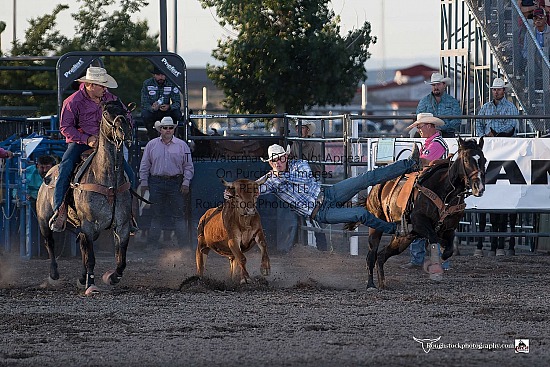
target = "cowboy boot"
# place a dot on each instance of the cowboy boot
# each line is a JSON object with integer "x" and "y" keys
{"x": 415, "y": 158}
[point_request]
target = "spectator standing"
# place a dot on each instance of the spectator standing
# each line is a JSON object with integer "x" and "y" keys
{"x": 159, "y": 98}
{"x": 166, "y": 170}
{"x": 439, "y": 103}
{"x": 541, "y": 31}
{"x": 434, "y": 148}
{"x": 497, "y": 128}
{"x": 79, "y": 124}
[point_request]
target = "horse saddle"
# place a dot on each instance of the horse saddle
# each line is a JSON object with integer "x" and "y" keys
{"x": 403, "y": 195}
{"x": 87, "y": 156}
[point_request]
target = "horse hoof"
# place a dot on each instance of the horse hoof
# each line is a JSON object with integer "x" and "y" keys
{"x": 53, "y": 282}
{"x": 80, "y": 285}
{"x": 107, "y": 277}
{"x": 371, "y": 289}
{"x": 92, "y": 290}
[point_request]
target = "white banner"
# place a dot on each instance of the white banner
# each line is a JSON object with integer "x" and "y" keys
{"x": 518, "y": 172}
{"x": 517, "y": 177}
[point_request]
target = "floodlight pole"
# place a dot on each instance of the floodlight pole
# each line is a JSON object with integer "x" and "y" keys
{"x": 163, "y": 26}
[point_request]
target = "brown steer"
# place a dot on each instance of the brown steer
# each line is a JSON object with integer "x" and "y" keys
{"x": 232, "y": 229}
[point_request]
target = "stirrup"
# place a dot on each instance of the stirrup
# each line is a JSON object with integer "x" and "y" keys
{"x": 58, "y": 222}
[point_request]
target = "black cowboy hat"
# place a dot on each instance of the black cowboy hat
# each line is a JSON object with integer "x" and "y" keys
{"x": 156, "y": 70}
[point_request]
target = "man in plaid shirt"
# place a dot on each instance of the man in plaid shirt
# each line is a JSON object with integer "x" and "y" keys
{"x": 498, "y": 106}
{"x": 293, "y": 182}
{"x": 439, "y": 104}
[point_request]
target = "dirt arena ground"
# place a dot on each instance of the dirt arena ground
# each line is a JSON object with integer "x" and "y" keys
{"x": 313, "y": 310}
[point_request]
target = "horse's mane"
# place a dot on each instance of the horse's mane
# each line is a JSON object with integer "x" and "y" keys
{"x": 427, "y": 174}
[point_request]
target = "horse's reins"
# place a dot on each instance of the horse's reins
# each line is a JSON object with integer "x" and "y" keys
{"x": 443, "y": 207}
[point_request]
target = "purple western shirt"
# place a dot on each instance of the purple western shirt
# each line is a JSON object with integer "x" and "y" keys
{"x": 80, "y": 116}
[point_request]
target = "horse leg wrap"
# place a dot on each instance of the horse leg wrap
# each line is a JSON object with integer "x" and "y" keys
{"x": 89, "y": 280}
{"x": 433, "y": 266}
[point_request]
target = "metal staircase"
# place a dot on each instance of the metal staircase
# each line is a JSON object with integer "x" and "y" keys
{"x": 484, "y": 39}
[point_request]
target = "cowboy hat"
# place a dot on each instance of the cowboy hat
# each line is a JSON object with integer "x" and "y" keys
{"x": 275, "y": 151}
{"x": 426, "y": 118}
{"x": 499, "y": 83}
{"x": 310, "y": 125}
{"x": 438, "y": 78}
{"x": 156, "y": 70}
{"x": 166, "y": 121}
{"x": 99, "y": 76}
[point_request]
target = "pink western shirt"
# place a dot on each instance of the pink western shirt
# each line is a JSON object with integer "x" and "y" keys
{"x": 160, "y": 159}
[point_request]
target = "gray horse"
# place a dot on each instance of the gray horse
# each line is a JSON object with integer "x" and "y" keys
{"x": 100, "y": 200}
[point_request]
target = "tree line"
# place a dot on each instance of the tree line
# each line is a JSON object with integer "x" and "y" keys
{"x": 287, "y": 55}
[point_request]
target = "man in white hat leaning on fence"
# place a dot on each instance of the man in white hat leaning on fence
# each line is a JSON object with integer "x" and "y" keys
{"x": 439, "y": 103}
{"x": 292, "y": 181}
{"x": 499, "y": 105}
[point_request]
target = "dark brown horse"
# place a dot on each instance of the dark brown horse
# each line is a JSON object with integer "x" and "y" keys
{"x": 434, "y": 208}
{"x": 101, "y": 200}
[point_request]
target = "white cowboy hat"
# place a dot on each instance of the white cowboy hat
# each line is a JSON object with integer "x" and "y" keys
{"x": 426, "y": 118}
{"x": 99, "y": 76}
{"x": 166, "y": 121}
{"x": 499, "y": 83}
{"x": 310, "y": 125}
{"x": 438, "y": 78}
{"x": 275, "y": 151}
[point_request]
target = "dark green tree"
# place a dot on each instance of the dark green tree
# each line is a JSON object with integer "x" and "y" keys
{"x": 96, "y": 30}
{"x": 288, "y": 55}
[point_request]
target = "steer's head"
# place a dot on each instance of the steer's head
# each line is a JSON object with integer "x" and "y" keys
{"x": 243, "y": 193}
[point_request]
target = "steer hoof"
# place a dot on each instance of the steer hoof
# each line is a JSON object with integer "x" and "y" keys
{"x": 265, "y": 272}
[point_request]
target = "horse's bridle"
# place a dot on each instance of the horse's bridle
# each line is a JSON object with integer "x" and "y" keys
{"x": 112, "y": 125}
{"x": 468, "y": 176}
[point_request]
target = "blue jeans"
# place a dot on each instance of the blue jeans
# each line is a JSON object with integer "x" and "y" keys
{"x": 168, "y": 204}
{"x": 418, "y": 252}
{"x": 334, "y": 209}
{"x": 70, "y": 159}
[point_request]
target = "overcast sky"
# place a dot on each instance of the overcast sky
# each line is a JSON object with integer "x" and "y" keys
{"x": 408, "y": 31}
